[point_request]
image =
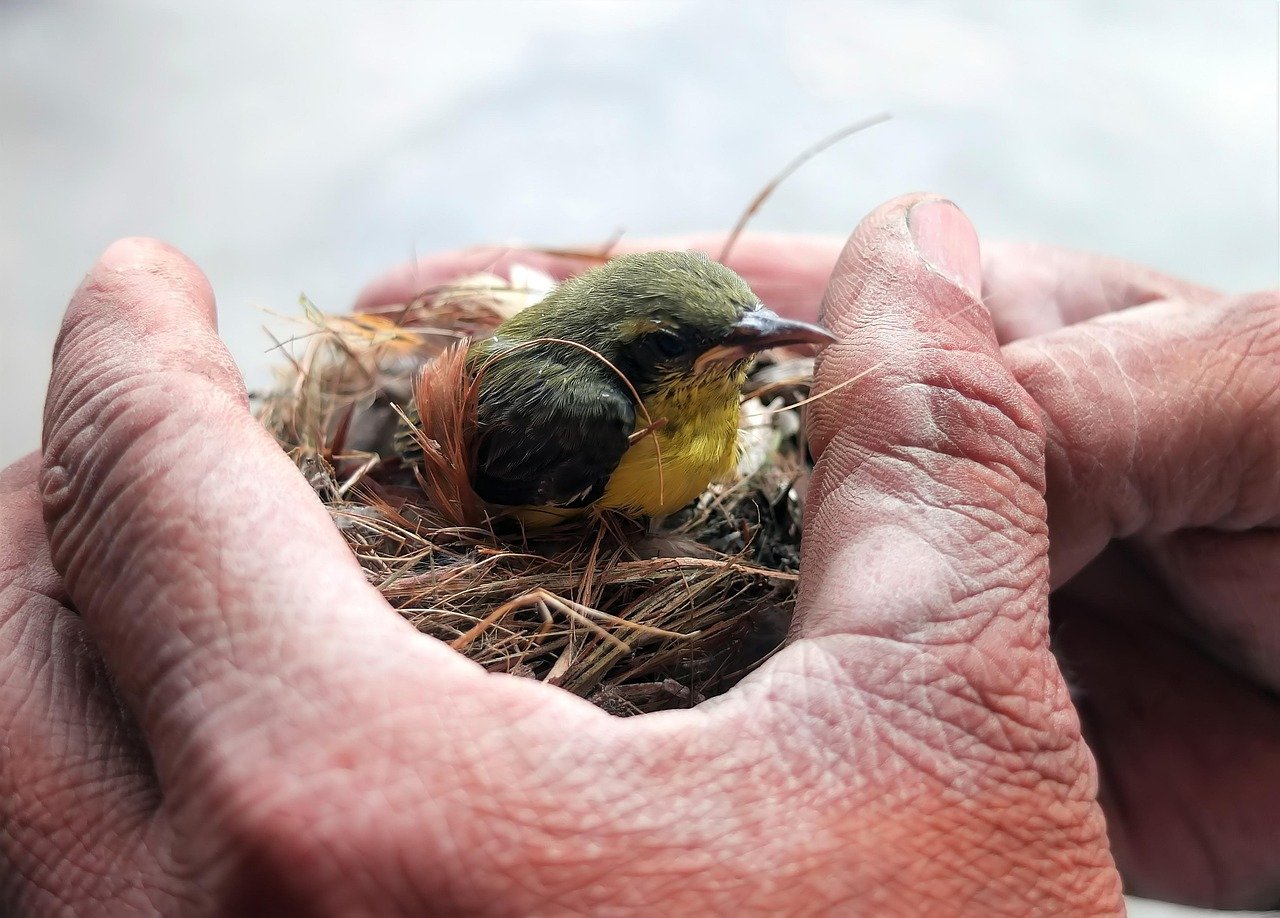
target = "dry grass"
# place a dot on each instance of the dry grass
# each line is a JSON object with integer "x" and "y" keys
{"x": 632, "y": 619}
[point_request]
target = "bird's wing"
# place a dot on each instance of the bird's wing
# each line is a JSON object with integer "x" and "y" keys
{"x": 550, "y": 439}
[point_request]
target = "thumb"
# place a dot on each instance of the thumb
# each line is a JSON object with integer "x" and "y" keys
{"x": 921, "y": 626}
{"x": 927, "y": 497}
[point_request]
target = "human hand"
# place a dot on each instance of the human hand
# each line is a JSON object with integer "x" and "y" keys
{"x": 1164, "y": 493}
{"x": 286, "y": 741}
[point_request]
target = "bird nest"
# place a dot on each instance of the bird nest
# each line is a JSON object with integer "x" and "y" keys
{"x": 633, "y": 616}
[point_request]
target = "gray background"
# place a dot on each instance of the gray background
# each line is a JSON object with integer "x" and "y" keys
{"x": 292, "y": 147}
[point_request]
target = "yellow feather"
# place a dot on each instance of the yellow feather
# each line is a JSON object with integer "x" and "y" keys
{"x": 697, "y": 444}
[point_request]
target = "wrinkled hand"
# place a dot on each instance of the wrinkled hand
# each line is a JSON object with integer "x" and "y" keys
{"x": 236, "y": 720}
{"x": 1163, "y": 420}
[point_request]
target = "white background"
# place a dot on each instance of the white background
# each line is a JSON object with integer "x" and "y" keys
{"x": 305, "y": 146}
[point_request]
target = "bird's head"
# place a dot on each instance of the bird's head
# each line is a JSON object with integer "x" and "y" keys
{"x": 658, "y": 316}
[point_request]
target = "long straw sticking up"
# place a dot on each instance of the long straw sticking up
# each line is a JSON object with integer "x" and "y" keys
{"x": 758, "y": 201}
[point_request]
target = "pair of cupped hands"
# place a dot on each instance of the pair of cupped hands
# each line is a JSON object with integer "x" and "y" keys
{"x": 206, "y": 708}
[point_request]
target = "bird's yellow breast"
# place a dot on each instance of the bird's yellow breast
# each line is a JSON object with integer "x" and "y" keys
{"x": 697, "y": 443}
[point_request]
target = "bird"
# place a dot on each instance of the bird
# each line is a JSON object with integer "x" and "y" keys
{"x": 633, "y": 365}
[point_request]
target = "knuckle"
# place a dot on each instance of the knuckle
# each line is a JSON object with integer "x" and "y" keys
{"x": 954, "y": 410}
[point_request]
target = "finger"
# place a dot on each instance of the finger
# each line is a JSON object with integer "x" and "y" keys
{"x": 920, "y": 665}
{"x": 935, "y": 451}
{"x": 76, "y": 789}
{"x": 1028, "y": 289}
{"x": 220, "y": 592}
{"x": 1032, "y": 289}
{"x": 1160, "y": 418}
{"x": 788, "y": 273}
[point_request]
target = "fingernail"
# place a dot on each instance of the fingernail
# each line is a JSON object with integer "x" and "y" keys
{"x": 947, "y": 242}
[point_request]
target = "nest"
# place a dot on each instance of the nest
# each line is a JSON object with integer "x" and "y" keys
{"x": 633, "y": 616}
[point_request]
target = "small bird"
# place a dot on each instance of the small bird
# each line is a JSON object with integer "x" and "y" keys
{"x": 558, "y": 423}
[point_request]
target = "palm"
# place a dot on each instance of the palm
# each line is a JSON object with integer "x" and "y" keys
{"x": 292, "y": 744}
{"x": 1167, "y": 636}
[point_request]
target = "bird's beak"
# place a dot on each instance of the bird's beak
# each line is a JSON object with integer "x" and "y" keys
{"x": 759, "y": 330}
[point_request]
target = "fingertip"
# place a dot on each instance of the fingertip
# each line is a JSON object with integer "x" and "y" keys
{"x": 947, "y": 242}
{"x": 904, "y": 288}
{"x": 144, "y": 311}
{"x": 137, "y": 251}
{"x": 904, "y": 235}
{"x": 137, "y": 274}
{"x": 926, "y": 414}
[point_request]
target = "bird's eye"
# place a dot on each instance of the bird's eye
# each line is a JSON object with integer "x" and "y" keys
{"x": 669, "y": 344}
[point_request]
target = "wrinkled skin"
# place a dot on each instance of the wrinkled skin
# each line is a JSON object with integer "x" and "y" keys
{"x": 235, "y": 721}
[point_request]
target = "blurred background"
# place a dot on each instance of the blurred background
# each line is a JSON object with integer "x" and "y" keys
{"x": 300, "y": 147}
{"x": 304, "y": 146}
